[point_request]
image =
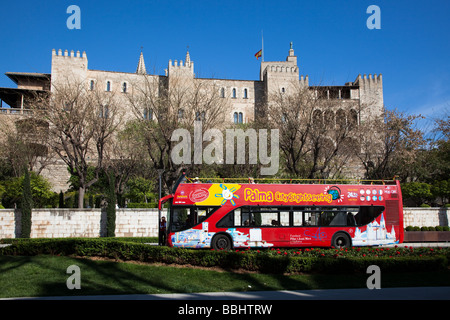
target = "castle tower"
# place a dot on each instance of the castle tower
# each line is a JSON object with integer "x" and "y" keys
{"x": 67, "y": 67}
{"x": 280, "y": 76}
{"x": 370, "y": 95}
{"x": 181, "y": 69}
{"x": 180, "y": 74}
{"x": 141, "y": 65}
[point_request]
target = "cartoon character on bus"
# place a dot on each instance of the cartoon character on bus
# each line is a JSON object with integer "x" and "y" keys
{"x": 227, "y": 195}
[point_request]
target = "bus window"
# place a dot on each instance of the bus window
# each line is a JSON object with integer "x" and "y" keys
{"x": 246, "y": 218}
{"x": 180, "y": 218}
{"x": 284, "y": 218}
{"x": 367, "y": 214}
{"x": 269, "y": 216}
{"x": 229, "y": 219}
{"x": 311, "y": 218}
{"x": 186, "y": 217}
{"x": 297, "y": 220}
{"x": 334, "y": 218}
{"x": 236, "y": 213}
{"x": 351, "y": 213}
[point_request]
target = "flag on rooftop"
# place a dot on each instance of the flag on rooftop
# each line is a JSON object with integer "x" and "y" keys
{"x": 258, "y": 54}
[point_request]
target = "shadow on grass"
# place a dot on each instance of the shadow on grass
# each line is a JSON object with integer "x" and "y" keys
{"x": 46, "y": 276}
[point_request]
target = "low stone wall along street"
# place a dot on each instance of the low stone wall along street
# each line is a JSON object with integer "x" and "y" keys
{"x": 91, "y": 223}
{"x": 426, "y": 217}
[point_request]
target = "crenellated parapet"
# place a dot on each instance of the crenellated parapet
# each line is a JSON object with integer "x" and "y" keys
{"x": 180, "y": 68}
{"x": 369, "y": 80}
{"x": 65, "y": 65}
{"x": 66, "y": 54}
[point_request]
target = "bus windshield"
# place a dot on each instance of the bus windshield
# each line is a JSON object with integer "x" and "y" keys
{"x": 185, "y": 217}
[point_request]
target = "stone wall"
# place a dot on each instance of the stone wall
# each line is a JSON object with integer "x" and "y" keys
{"x": 426, "y": 217}
{"x": 91, "y": 223}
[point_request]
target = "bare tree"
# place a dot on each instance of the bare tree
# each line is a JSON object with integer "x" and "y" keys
{"x": 314, "y": 131}
{"x": 81, "y": 124}
{"x": 124, "y": 158}
{"x": 161, "y": 106}
{"x": 389, "y": 145}
{"x": 24, "y": 144}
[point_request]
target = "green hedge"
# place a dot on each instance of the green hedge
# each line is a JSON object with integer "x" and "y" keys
{"x": 437, "y": 228}
{"x": 354, "y": 260}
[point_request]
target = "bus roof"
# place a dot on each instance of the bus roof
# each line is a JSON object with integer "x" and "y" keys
{"x": 291, "y": 181}
{"x": 193, "y": 192}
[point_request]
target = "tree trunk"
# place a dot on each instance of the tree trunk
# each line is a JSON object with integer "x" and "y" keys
{"x": 81, "y": 192}
{"x": 26, "y": 206}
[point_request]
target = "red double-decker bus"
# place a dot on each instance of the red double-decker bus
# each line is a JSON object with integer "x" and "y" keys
{"x": 239, "y": 215}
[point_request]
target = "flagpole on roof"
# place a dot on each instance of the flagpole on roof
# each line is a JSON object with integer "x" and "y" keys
{"x": 262, "y": 45}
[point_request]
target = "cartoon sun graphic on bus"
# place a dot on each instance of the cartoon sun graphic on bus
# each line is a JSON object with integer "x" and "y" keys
{"x": 227, "y": 194}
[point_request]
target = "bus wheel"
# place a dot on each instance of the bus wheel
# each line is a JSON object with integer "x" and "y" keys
{"x": 221, "y": 242}
{"x": 341, "y": 240}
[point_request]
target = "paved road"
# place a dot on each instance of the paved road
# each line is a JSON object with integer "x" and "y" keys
{"x": 415, "y": 293}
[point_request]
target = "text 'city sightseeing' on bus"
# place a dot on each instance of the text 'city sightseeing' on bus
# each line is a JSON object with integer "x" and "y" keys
{"x": 242, "y": 215}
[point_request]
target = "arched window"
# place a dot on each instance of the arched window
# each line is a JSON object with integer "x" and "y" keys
{"x": 200, "y": 116}
{"x": 104, "y": 112}
{"x": 222, "y": 92}
{"x": 180, "y": 114}
{"x": 329, "y": 119}
{"x": 234, "y": 93}
{"x": 240, "y": 120}
{"x": 353, "y": 118}
{"x": 235, "y": 117}
{"x": 124, "y": 87}
{"x": 108, "y": 85}
{"x": 148, "y": 114}
{"x": 92, "y": 85}
{"x": 245, "y": 93}
{"x": 318, "y": 118}
{"x": 341, "y": 120}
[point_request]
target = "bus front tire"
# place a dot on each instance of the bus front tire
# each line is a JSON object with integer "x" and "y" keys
{"x": 221, "y": 242}
{"x": 341, "y": 240}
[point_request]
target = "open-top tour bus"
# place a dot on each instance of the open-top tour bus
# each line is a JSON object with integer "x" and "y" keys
{"x": 239, "y": 215}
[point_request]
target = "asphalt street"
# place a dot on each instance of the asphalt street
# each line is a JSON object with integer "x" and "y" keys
{"x": 413, "y": 293}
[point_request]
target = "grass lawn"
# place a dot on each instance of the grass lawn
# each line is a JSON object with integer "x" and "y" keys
{"x": 45, "y": 275}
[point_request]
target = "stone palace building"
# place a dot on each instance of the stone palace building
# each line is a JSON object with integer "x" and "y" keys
{"x": 245, "y": 97}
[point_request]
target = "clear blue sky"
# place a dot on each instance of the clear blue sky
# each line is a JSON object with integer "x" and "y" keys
{"x": 331, "y": 40}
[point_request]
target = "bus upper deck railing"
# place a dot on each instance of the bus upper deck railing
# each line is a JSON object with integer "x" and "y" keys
{"x": 291, "y": 181}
